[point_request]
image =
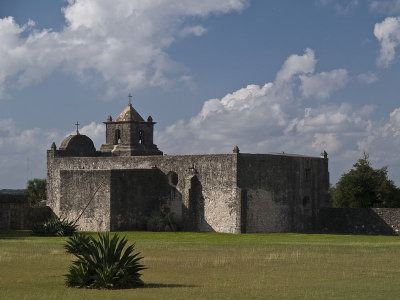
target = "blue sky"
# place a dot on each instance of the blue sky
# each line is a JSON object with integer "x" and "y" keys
{"x": 269, "y": 76}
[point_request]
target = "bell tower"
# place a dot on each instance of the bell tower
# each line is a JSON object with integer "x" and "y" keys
{"x": 130, "y": 135}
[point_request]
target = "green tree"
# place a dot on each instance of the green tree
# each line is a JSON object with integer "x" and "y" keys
{"x": 364, "y": 186}
{"x": 36, "y": 190}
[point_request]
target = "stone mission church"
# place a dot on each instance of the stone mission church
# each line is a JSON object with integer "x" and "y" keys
{"x": 129, "y": 178}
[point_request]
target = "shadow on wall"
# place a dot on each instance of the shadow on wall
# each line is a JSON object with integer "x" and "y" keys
{"x": 368, "y": 221}
{"x": 149, "y": 199}
{"x": 194, "y": 213}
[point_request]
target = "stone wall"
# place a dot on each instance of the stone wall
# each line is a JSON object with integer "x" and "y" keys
{"x": 16, "y": 213}
{"x": 378, "y": 221}
{"x": 135, "y": 195}
{"x": 205, "y": 187}
{"x": 282, "y": 193}
{"x": 85, "y": 198}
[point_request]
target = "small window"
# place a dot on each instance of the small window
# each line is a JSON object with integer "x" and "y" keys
{"x": 141, "y": 137}
{"x": 172, "y": 178}
{"x": 117, "y": 137}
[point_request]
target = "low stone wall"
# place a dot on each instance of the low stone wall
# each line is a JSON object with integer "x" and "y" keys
{"x": 34, "y": 215}
{"x": 371, "y": 221}
{"x": 16, "y": 213}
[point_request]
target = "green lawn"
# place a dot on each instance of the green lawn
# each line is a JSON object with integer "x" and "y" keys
{"x": 217, "y": 266}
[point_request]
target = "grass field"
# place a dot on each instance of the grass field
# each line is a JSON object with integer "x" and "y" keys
{"x": 217, "y": 266}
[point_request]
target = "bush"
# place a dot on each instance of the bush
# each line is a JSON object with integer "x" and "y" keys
{"x": 159, "y": 221}
{"x": 103, "y": 263}
{"x": 55, "y": 227}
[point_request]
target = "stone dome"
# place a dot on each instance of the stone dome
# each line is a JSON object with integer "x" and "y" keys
{"x": 129, "y": 114}
{"x": 78, "y": 145}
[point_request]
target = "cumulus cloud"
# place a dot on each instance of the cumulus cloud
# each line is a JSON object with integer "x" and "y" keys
{"x": 275, "y": 118}
{"x": 388, "y": 34}
{"x": 323, "y": 84}
{"x": 269, "y": 117}
{"x": 120, "y": 42}
{"x": 297, "y": 64}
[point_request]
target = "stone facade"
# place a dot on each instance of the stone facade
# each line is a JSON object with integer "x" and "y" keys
{"x": 129, "y": 178}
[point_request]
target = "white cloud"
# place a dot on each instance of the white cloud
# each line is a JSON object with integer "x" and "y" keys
{"x": 266, "y": 116}
{"x": 193, "y": 30}
{"x": 121, "y": 42}
{"x": 96, "y": 132}
{"x": 323, "y": 84}
{"x": 388, "y": 34}
{"x": 297, "y": 64}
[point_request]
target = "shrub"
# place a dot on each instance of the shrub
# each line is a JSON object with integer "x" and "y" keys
{"x": 103, "y": 263}
{"x": 55, "y": 227}
{"x": 159, "y": 221}
{"x": 155, "y": 222}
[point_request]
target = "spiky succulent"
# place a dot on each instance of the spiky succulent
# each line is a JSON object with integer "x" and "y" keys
{"x": 104, "y": 262}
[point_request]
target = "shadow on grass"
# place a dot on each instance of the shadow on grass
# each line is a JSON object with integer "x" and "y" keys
{"x": 166, "y": 285}
{"x": 15, "y": 234}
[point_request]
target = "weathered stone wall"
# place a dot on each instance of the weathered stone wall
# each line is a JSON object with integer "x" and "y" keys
{"x": 281, "y": 193}
{"x": 12, "y": 211}
{"x": 211, "y": 179}
{"x": 135, "y": 195}
{"x": 379, "y": 221}
{"x": 85, "y": 197}
{"x": 16, "y": 213}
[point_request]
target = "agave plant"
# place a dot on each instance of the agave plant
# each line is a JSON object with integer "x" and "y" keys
{"x": 55, "y": 227}
{"x": 104, "y": 262}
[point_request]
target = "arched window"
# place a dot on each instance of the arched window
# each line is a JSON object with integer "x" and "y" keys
{"x": 117, "y": 137}
{"x": 172, "y": 178}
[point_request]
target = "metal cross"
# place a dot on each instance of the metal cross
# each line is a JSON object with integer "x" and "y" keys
{"x": 130, "y": 96}
{"x": 77, "y": 128}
